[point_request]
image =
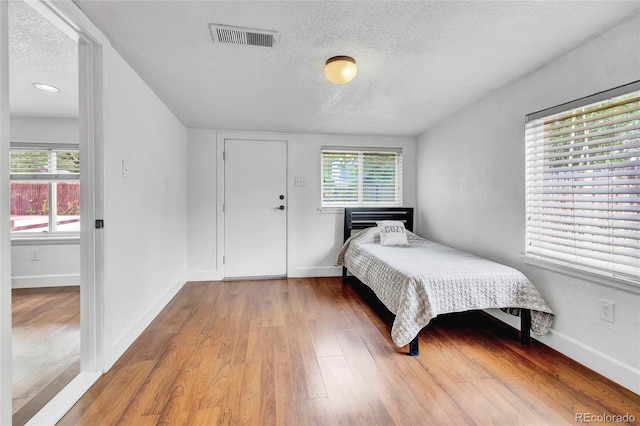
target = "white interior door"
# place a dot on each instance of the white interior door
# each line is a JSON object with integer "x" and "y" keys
{"x": 255, "y": 218}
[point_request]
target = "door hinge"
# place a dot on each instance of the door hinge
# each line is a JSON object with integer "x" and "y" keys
{"x": 223, "y": 207}
{"x": 224, "y": 155}
{"x": 223, "y": 260}
{"x": 99, "y": 223}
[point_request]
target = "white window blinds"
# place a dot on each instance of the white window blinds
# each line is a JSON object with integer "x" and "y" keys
{"x": 361, "y": 177}
{"x": 583, "y": 183}
{"x": 44, "y": 164}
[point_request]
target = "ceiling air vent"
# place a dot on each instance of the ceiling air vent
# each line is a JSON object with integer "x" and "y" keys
{"x": 242, "y": 36}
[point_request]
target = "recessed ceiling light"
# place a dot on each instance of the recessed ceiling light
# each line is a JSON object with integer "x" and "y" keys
{"x": 46, "y": 87}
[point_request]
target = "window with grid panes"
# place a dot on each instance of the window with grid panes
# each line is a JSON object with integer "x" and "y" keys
{"x": 45, "y": 190}
{"x": 353, "y": 177}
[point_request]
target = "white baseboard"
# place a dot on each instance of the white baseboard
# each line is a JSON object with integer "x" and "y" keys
{"x": 294, "y": 272}
{"x": 35, "y": 281}
{"x": 205, "y": 275}
{"x": 58, "y": 406}
{"x": 315, "y": 271}
{"x": 126, "y": 339}
{"x": 613, "y": 369}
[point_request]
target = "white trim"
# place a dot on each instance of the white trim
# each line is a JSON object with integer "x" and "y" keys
{"x": 128, "y": 336}
{"x": 91, "y": 186}
{"x": 58, "y": 406}
{"x": 623, "y": 374}
{"x": 315, "y": 271}
{"x": 587, "y": 100}
{"x": 37, "y": 281}
{"x": 205, "y": 275}
{"x": 45, "y": 241}
{"x": 220, "y": 141}
{"x": 257, "y": 278}
{"x": 5, "y": 238}
{"x": 45, "y": 146}
{"x": 331, "y": 210}
{"x": 220, "y": 203}
{"x": 91, "y": 181}
{"x": 92, "y": 199}
{"x": 583, "y": 273}
{"x": 92, "y": 192}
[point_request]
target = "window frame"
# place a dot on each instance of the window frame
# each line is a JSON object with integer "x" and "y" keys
{"x": 614, "y": 274}
{"x": 361, "y": 152}
{"x": 52, "y": 234}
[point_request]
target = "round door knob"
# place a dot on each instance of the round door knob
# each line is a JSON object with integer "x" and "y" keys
{"x": 281, "y": 197}
{"x": 281, "y": 208}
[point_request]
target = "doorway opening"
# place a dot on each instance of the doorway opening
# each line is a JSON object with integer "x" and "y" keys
{"x": 55, "y": 194}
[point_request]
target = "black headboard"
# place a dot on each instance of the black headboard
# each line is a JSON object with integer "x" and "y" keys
{"x": 366, "y": 217}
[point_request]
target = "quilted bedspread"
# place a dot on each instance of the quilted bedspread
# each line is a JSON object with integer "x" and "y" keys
{"x": 425, "y": 279}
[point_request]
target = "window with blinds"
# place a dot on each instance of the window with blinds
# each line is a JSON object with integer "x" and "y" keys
{"x": 45, "y": 189}
{"x": 583, "y": 183}
{"x": 361, "y": 177}
{"x": 44, "y": 164}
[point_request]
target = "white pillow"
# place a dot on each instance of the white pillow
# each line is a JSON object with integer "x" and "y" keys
{"x": 392, "y": 233}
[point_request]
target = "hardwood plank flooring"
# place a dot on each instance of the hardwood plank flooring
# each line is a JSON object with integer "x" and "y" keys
{"x": 315, "y": 352}
{"x": 45, "y": 345}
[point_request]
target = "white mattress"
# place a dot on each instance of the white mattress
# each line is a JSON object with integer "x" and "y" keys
{"x": 425, "y": 279}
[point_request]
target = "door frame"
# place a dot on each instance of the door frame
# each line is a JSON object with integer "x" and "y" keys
{"x": 220, "y": 169}
{"x": 92, "y": 207}
{"x": 5, "y": 237}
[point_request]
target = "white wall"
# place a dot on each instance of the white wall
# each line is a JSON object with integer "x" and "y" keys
{"x": 145, "y": 234}
{"x": 471, "y": 195}
{"x": 58, "y": 264}
{"x": 44, "y": 130}
{"x": 314, "y": 238}
{"x": 201, "y": 205}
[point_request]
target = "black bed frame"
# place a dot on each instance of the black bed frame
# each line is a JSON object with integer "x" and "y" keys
{"x": 356, "y": 218}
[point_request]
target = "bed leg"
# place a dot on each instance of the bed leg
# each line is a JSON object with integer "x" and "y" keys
{"x": 344, "y": 275}
{"x": 413, "y": 347}
{"x": 525, "y": 327}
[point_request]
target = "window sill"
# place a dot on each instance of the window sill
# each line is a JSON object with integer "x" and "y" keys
{"x": 331, "y": 210}
{"x": 45, "y": 241}
{"x": 340, "y": 210}
{"x": 620, "y": 283}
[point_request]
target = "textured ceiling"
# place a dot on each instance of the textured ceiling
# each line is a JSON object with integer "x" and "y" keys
{"x": 418, "y": 61}
{"x": 40, "y": 52}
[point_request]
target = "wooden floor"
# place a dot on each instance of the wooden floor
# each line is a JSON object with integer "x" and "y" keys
{"x": 45, "y": 345}
{"x": 312, "y": 352}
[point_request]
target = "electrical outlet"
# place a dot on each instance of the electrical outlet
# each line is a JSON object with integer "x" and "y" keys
{"x": 607, "y": 310}
{"x": 35, "y": 255}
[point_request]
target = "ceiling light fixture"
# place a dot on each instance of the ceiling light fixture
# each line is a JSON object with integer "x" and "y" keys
{"x": 46, "y": 87}
{"x": 340, "y": 69}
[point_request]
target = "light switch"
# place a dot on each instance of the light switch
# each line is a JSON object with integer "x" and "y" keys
{"x": 300, "y": 181}
{"x": 125, "y": 169}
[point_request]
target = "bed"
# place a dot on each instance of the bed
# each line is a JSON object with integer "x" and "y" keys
{"x": 423, "y": 279}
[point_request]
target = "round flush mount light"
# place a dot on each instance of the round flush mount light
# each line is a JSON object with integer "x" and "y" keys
{"x": 340, "y": 69}
{"x": 46, "y": 87}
